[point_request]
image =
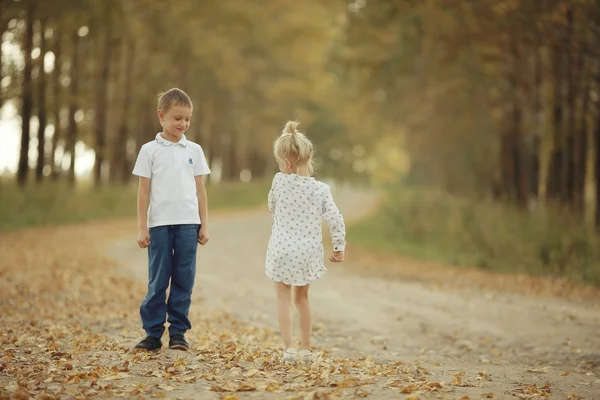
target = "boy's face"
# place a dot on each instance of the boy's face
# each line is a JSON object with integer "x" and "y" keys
{"x": 176, "y": 121}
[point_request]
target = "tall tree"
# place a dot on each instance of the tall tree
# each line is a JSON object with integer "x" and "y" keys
{"x": 597, "y": 170}
{"x": 73, "y": 103}
{"x": 27, "y": 96}
{"x": 102, "y": 83}
{"x": 42, "y": 112}
{"x": 3, "y": 24}
{"x": 57, "y": 99}
{"x": 123, "y": 135}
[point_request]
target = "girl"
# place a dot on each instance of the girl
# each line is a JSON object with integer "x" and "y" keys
{"x": 295, "y": 252}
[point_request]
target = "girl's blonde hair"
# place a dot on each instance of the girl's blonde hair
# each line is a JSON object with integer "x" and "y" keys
{"x": 294, "y": 146}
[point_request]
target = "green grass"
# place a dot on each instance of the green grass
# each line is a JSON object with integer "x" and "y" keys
{"x": 432, "y": 225}
{"x": 56, "y": 203}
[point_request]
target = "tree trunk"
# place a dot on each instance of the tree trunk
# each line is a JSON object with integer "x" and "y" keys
{"x": 210, "y": 133}
{"x": 2, "y": 29}
{"x": 121, "y": 142}
{"x": 535, "y": 138}
{"x": 42, "y": 112}
{"x": 144, "y": 135}
{"x": 566, "y": 183}
{"x": 102, "y": 83}
{"x": 257, "y": 164}
{"x": 73, "y": 106}
{"x": 597, "y": 170}
{"x": 27, "y": 98}
{"x": 228, "y": 145}
{"x": 515, "y": 144}
{"x": 54, "y": 167}
{"x": 220, "y": 127}
{"x": 232, "y": 158}
{"x": 555, "y": 169}
{"x": 506, "y": 165}
{"x": 580, "y": 153}
{"x": 116, "y": 110}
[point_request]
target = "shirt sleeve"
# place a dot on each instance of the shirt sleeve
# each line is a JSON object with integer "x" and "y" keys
{"x": 200, "y": 166}
{"x": 271, "y": 198}
{"x": 143, "y": 164}
{"x": 333, "y": 216}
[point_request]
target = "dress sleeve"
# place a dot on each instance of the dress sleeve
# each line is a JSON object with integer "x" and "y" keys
{"x": 272, "y": 194}
{"x": 335, "y": 220}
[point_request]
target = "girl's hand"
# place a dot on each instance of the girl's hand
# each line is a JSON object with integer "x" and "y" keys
{"x": 143, "y": 238}
{"x": 203, "y": 236}
{"x": 337, "y": 257}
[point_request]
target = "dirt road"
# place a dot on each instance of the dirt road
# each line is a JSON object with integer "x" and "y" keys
{"x": 478, "y": 342}
{"x": 385, "y": 328}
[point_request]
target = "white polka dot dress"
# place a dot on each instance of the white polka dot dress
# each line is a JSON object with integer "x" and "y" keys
{"x": 295, "y": 252}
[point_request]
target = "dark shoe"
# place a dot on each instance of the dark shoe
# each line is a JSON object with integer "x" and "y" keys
{"x": 149, "y": 343}
{"x": 178, "y": 342}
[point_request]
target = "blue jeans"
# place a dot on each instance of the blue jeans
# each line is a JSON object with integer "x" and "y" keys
{"x": 171, "y": 257}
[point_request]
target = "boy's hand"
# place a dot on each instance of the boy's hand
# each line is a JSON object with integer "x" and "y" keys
{"x": 143, "y": 238}
{"x": 337, "y": 257}
{"x": 203, "y": 236}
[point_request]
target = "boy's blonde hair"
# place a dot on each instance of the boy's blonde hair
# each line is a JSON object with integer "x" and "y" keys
{"x": 173, "y": 97}
{"x": 294, "y": 146}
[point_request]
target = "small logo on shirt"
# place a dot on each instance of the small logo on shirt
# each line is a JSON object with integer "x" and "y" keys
{"x": 190, "y": 161}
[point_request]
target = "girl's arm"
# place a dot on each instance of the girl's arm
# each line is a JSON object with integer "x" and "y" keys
{"x": 337, "y": 228}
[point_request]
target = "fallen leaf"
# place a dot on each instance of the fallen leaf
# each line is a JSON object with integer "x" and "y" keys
{"x": 395, "y": 383}
{"x": 538, "y": 370}
{"x": 120, "y": 375}
{"x": 349, "y": 382}
{"x": 246, "y": 387}
{"x": 222, "y": 389}
{"x": 252, "y": 372}
{"x": 408, "y": 389}
{"x": 272, "y": 387}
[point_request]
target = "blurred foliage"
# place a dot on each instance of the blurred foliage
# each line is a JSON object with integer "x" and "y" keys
{"x": 248, "y": 68}
{"x": 431, "y": 224}
{"x": 54, "y": 204}
{"x": 456, "y": 91}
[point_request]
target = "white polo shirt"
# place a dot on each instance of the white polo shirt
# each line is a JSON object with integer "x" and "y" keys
{"x": 172, "y": 168}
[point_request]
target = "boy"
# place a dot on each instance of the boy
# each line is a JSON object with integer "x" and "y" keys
{"x": 172, "y": 220}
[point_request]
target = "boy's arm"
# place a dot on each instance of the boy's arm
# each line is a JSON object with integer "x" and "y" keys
{"x": 143, "y": 201}
{"x": 203, "y": 209}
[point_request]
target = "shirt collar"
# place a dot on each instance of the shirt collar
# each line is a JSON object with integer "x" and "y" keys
{"x": 182, "y": 141}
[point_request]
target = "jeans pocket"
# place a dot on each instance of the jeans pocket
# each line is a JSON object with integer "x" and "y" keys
{"x": 189, "y": 235}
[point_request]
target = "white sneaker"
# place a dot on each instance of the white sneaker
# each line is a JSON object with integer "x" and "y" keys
{"x": 306, "y": 356}
{"x": 289, "y": 356}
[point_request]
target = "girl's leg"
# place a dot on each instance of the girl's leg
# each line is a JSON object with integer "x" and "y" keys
{"x": 303, "y": 307}
{"x": 284, "y": 315}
